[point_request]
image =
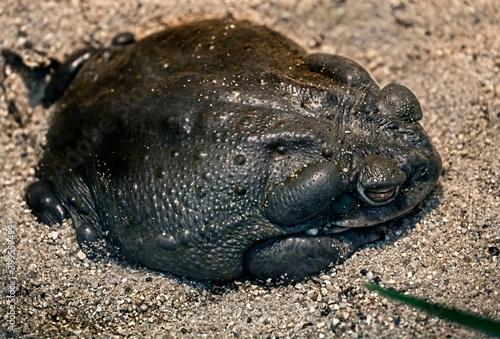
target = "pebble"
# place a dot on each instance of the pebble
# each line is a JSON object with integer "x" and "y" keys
{"x": 369, "y": 275}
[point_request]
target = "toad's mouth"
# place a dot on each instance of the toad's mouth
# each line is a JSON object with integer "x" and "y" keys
{"x": 324, "y": 224}
{"x": 351, "y": 211}
{"x": 325, "y": 230}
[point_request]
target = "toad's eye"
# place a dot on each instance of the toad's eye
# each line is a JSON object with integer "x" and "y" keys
{"x": 379, "y": 180}
{"x": 380, "y": 196}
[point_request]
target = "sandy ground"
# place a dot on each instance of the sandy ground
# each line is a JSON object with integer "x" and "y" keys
{"x": 446, "y": 52}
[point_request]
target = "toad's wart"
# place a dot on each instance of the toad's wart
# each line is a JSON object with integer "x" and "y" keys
{"x": 221, "y": 148}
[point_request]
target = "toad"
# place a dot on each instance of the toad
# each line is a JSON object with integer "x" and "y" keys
{"x": 221, "y": 148}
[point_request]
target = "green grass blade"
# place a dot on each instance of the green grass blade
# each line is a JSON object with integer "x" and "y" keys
{"x": 485, "y": 325}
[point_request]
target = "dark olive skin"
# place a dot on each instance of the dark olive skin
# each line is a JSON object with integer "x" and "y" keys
{"x": 221, "y": 148}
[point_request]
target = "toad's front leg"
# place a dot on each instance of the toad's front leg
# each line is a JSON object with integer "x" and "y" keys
{"x": 298, "y": 256}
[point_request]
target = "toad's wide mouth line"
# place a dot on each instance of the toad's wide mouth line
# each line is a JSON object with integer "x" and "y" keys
{"x": 362, "y": 215}
{"x": 328, "y": 229}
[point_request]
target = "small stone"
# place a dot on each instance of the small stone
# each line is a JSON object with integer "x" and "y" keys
{"x": 369, "y": 275}
{"x": 81, "y": 255}
{"x": 493, "y": 250}
{"x": 325, "y": 311}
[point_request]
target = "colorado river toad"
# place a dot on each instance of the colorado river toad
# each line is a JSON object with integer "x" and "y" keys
{"x": 221, "y": 148}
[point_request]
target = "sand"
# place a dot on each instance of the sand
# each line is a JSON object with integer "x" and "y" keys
{"x": 446, "y": 52}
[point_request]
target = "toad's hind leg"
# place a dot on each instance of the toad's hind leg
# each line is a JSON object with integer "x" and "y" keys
{"x": 41, "y": 91}
{"x": 60, "y": 79}
{"x": 292, "y": 258}
{"x": 44, "y": 204}
{"x": 49, "y": 209}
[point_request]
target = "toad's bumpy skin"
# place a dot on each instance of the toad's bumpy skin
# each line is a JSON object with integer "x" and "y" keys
{"x": 221, "y": 148}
